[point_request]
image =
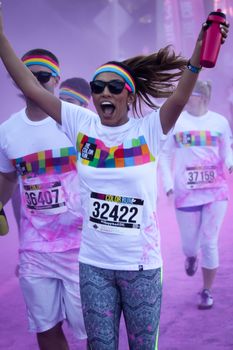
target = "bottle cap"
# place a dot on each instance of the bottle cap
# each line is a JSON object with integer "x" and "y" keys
{"x": 218, "y": 13}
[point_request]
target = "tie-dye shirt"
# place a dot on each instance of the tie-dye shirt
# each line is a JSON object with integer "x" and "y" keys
{"x": 45, "y": 161}
{"x": 117, "y": 168}
{"x": 201, "y": 146}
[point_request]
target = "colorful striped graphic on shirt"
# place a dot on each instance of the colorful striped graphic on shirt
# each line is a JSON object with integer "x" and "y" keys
{"x": 93, "y": 152}
{"x": 55, "y": 161}
{"x": 197, "y": 138}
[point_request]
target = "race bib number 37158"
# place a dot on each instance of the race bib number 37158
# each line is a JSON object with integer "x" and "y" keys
{"x": 115, "y": 214}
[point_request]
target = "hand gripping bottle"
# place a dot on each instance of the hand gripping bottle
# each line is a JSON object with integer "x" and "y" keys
{"x": 3, "y": 222}
{"x": 212, "y": 39}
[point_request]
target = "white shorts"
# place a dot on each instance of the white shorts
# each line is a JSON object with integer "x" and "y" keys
{"x": 50, "y": 287}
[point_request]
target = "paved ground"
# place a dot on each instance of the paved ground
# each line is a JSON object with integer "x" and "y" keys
{"x": 182, "y": 325}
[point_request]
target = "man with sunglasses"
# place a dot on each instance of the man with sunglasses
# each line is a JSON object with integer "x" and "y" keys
{"x": 33, "y": 146}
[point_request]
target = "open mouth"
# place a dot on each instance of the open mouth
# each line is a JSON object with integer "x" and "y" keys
{"x": 108, "y": 108}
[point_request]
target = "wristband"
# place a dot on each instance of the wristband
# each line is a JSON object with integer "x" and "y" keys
{"x": 192, "y": 68}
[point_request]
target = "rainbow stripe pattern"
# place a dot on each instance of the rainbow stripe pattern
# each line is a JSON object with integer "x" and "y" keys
{"x": 74, "y": 94}
{"x": 44, "y": 61}
{"x": 196, "y": 138}
{"x": 131, "y": 153}
{"x": 54, "y": 161}
{"x": 113, "y": 68}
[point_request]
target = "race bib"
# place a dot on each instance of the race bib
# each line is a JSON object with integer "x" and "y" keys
{"x": 115, "y": 214}
{"x": 45, "y": 198}
{"x": 201, "y": 177}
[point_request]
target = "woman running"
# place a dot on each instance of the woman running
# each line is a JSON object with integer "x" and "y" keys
{"x": 120, "y": 258}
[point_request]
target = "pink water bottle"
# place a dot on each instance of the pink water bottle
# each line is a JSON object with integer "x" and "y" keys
{"x": 212, "y": 39}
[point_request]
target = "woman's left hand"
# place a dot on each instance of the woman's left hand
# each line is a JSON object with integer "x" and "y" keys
{"x": 224, "y": 31}
{"x": 223, "y": 28}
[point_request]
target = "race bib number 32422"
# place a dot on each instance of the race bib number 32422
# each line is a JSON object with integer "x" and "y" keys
{"x": 115, "y": 214}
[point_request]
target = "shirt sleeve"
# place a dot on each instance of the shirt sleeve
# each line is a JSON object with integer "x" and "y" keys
{"x": 226, "y": 151}
{"x": 154, "y": 132}
{"x": 6, "y": 165}
{"x": 165, "y": 164}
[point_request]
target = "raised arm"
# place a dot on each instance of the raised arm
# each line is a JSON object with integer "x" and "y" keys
{"x": 25, "y": 80}
{"x": 174, "y": 105}
{"x": 226, "y": 151}
{"x": 8, "y": 182}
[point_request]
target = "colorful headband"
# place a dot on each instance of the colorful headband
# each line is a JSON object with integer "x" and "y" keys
{"x": 72, "y": 93}
{"x": 114, "y": 68}
{"x": 42, "y": 61}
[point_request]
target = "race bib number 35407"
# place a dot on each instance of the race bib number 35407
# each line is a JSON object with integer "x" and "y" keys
{"x": 115, "y": 214}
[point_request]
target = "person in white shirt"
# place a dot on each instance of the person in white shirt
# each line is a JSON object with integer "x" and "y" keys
{"x": 120, "y": 258}
{"x": 201, "y": 146}
{"x": 75, "y": 90}
{"x": 33, "y": 146}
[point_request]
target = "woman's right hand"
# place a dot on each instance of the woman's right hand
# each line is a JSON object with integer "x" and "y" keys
{"x": 4, "y": 228}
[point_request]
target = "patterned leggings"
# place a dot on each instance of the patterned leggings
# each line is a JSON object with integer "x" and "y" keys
{"x": 105, "y": 293}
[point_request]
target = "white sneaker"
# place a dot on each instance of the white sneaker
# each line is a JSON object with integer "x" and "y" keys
{"x": 191, "y": 265}
{"x": 206, "y": 300}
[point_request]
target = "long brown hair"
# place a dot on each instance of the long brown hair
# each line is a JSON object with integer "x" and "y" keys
{"x": 156, "y": 76}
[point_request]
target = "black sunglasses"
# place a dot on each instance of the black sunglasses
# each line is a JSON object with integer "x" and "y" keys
{"x": 43, "y": 77}
{"x": 114, "y": 86}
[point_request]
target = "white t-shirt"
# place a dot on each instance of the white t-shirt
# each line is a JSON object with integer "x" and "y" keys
{"x": 201, "y": 146}
{"x": 46, "y": 162}
{"x": 117, "y": 168}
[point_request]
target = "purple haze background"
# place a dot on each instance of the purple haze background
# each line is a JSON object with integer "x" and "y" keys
{"x": 83, "y": 35}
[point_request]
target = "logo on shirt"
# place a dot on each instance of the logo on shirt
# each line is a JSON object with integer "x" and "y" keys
{"x": 88, "y": 151}
{"x": 187, "y": 139}
{"x": 21, "y": 169}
